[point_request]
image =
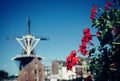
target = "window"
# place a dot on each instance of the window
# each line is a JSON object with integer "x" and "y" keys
{"x": 35, "y": 71}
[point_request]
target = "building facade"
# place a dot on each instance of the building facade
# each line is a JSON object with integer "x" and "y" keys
{"x": 33, "y": 71}
{"x": 59, "y": 71}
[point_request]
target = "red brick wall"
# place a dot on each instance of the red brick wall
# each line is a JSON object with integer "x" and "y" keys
{"x": 32, "y": 70}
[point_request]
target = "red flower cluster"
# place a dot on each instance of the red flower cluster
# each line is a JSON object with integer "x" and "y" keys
{"x": 82, "y": 49}
{"x": 93, "y": 11}
{"x": 108, "y": 4}
{"x": 71, "y": 60}
{"x": 85, "y": 39}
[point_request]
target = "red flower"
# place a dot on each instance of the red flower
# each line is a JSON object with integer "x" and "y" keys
{"x": 85, "y": 40}
{"x": 69, "y": 67}
{"x": 112, "y": 65}
{"x": 93, "y": 11}
{"x": 84, "y": 52}
{"x": 87, "y": 34}
{"x": 86, "y": 30}
{"x": 98, "y": 34}
{"x": 115, "y": 30}
{"x": 71, "y": 60}
{"x": 81, "y": 48}
{"x": 74, "y": 61}
{"x": 92, "y": 16}
{"x": 73, "y": 53}
{"x": 68, "y": 61}
{"x": 108, "y": 4}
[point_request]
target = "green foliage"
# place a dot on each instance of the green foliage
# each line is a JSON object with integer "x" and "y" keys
{"x": 3, "y": 75}
{"x": 105, "y": 65}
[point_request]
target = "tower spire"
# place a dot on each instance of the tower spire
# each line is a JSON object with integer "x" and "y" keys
{"x": 28, "y": 26}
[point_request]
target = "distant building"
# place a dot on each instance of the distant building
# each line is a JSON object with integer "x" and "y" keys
{"x": 47, "y": 72}
{"x": 59, "y": 70}
{"x": 56, "y": 65}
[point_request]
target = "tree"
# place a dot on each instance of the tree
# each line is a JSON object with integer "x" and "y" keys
{"x": 3, "y": 75}
{"x": 105, "y": 65}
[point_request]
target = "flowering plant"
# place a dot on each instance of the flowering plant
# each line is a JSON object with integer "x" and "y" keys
{"x": 106, "y": 62}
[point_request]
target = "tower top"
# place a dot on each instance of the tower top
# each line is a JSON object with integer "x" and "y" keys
{"x": 28, "y": 44}
{"x": 28, "y": 26}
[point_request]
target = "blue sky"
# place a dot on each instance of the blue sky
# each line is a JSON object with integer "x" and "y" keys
{"x": 62, "y": 21}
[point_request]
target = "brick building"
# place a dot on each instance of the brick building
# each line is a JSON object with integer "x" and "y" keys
{"x": 33, "y": 71}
